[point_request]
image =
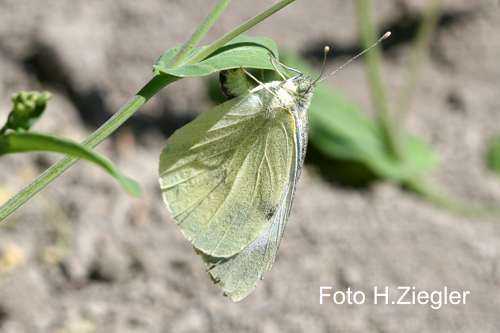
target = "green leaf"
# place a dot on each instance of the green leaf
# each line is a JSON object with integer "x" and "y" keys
{"x": 243, "y": 51}
{"x": 35, "y": 142}
{"x": 339, "y": 129}
{"x": 493, "y": 155}
{"x": 27, "y": 107}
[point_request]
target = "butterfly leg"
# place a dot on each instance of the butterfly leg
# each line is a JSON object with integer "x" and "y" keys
{"x": 273, "y": 62}
{"x": 250, "y": 75}
{"x": 262, "y": 84}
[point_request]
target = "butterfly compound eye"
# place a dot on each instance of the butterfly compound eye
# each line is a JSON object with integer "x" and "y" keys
{"x": 304, "y": 86}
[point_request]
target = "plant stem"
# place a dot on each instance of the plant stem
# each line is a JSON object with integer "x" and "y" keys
{"x": 422, "y": 43}
{"x": 149, "y": 90}
{"x": 202, "y": 30}
{"x": 368, "y": 37}
{"x": 214, "y": 46}
{"x": 440, "y": 199}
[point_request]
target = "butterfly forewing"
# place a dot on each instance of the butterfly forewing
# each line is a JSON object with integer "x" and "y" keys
{"x": 223, "y": 176}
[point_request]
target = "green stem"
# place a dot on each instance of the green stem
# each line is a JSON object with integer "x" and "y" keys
{"x": 202, "y": 30}
{"x": 214, "y": 46}
{"x": 368, "y": 37}
{"x": 149, "y": 90}
{"x": 440, "y": 199}
{"x": 421, "y": 47}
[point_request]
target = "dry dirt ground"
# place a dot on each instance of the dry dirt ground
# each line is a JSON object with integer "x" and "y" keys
{"x": 85, "y": 257}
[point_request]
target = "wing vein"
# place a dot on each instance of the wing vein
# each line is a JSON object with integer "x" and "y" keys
{"x": 182, "y": 181}
{"x": 216, "y": 139}
{"x": 248, "y": 207}
{"x": 191, "y": 208}
{"x": 204, "y": 159}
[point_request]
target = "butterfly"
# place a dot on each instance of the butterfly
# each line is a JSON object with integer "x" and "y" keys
{"x": 229, "y": 177}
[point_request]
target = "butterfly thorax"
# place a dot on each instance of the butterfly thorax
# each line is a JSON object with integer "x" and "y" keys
{"x": 301, "y": 87}
{"x": 292, "y": 95}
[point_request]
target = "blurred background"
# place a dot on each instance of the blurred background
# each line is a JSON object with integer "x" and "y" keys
{"x": 83, "y": 256}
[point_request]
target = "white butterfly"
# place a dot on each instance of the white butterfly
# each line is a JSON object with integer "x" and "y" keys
{"x": 229, "y": 178}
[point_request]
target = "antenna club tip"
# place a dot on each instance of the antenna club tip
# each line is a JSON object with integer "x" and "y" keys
{"x": 386, "y": 35}
{"x": 326, "y": 49}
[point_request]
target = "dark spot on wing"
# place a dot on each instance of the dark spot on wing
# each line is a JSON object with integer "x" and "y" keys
{"x": 270, "y": 213}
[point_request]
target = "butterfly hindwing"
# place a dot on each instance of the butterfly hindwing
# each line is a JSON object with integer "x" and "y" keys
{"x": 239, "y": 274}
{"x": 223, "y": 176}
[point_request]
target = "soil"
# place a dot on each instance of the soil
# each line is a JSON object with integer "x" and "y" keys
{"x": 85, "y": 257}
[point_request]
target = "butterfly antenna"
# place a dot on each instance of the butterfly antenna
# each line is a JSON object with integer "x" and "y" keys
{"x": 385, "y": 36}
{"x": 326, "y": 50}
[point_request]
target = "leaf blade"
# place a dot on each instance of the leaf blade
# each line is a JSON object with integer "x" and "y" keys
{"x": 243, "y": 51}
{"x": 36, "y": 142}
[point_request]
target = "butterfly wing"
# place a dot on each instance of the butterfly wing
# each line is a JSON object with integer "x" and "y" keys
{"x": 238, "y": 275}
{"x": 223, "y": 175}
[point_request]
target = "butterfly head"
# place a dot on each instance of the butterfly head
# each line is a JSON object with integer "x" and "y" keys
{"x": 305, "y": 85}
{"x": 301, "y": 89}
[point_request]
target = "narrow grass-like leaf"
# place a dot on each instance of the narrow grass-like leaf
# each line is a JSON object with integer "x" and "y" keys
{"x": 35, "y": 142}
